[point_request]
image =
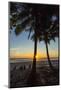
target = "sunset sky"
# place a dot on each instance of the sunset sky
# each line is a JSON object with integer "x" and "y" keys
{"x": 21, "y": 47}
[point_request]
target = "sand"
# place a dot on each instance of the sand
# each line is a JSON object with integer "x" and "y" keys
{"x": 20, "y": 75}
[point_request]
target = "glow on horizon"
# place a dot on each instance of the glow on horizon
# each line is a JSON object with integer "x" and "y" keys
{"x": 17, "y": 54}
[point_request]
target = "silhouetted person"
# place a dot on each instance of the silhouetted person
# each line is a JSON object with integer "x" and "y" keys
{"x": 29, "y": 66}
{"x": 24, "y": 67}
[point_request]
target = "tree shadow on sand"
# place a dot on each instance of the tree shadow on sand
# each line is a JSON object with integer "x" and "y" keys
{"x": 45, "y": 78}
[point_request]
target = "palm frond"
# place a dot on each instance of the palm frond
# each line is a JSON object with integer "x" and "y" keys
{"x": 18, "y": 30}
{"x": 33, "y": 37}
{"x": 30, "y": 32}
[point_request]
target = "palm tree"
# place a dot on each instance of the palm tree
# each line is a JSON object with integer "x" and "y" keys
{"x": 24, "y": 20}
{"x": 49, "y": 34}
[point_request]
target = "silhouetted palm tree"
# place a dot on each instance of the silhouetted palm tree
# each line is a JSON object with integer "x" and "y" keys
{"x": 49, "y": 34}
{"x": 22, "y": 19}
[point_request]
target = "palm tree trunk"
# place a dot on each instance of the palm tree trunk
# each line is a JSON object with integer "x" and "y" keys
{"x": 48, "y": 56}
{"x": 35, "y": 53}
{"x": 33, "y": 75}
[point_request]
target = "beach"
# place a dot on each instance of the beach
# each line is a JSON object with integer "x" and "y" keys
{"x": 20, "y": 72}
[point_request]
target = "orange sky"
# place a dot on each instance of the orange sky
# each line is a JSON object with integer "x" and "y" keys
{"x": 16, "y": 54}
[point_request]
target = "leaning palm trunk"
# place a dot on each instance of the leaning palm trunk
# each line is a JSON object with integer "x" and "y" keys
{"x": 35, "y": 53}
{"x": 50, "y": 64}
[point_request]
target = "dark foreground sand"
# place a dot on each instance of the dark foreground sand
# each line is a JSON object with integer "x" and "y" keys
{"x": 20, "y": 74}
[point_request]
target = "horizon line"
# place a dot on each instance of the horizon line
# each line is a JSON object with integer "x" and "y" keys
{"x": 36, "y": 58}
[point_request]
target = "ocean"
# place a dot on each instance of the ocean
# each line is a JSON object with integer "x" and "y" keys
{"x": 28, "y": 62}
